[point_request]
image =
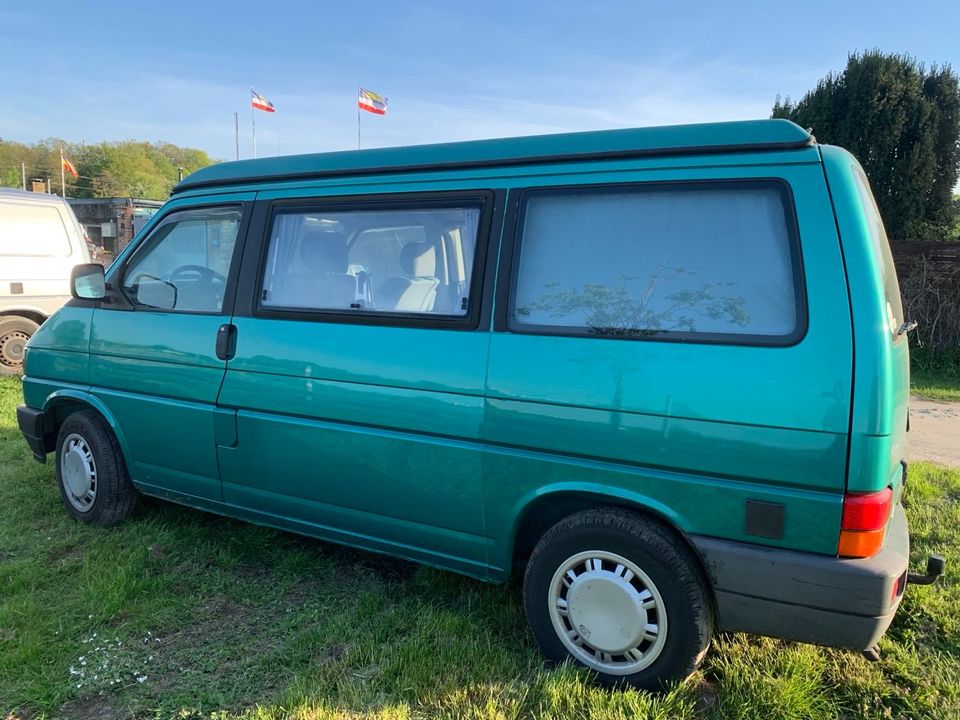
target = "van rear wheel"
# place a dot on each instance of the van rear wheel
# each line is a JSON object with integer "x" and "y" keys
{"x": 621, "y": 595}
{"x": 14, "y": 333}
{"x": 91, "y": 473}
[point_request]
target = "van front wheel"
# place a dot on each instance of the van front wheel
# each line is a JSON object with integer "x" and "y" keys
{"x": 91, "y": 473}
{"x": 14, "y": 333}
{"x": 621, "y": 595}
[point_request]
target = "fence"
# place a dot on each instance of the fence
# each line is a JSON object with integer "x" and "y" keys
{"x": 942, "y": 254}
{"x": 929, "y": 274}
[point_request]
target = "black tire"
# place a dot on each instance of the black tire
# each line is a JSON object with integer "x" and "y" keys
{"x": 114, "y": 496}
{"x": 14, "y": 333}
{"x": 656, "y": 551}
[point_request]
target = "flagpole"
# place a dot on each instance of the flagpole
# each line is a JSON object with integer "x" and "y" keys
{"x": 236, "y": 132}
{"x": 253, "y": 124}
{"x": 63, "y": 180}
{"x": 358, "y": 114}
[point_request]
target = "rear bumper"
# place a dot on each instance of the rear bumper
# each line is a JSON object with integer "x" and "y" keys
{"x": 809, "y": 598}
{"x": 33, "y": 425}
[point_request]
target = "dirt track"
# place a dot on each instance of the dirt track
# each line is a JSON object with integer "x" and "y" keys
{"x": 935, "y": 431}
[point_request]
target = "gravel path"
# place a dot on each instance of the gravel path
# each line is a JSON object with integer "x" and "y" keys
{"x": 934, "y": 431}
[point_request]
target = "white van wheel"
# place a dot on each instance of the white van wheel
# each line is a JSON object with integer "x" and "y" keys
{"x": 607, "y": 612}
{"x": 14, "y": 333}
{"x": 600, "y": 587}
{"x": 78, "y": 471}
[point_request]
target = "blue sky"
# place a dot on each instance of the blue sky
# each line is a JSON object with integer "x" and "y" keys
{"x": 177, "y": 71}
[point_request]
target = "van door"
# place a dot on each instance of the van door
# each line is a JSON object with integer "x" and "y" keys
{"x": 359, "y": 372}
{"x": 154, "y": 358}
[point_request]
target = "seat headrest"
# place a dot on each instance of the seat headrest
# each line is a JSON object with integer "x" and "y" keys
{"x": 419, "y": 259}
{"x": 324, "y": 252}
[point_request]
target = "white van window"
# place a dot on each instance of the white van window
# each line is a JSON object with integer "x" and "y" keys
{"x": 391, "y": 261}
{"x": 707, "y": 261}
{"x": 32, "y": 230}
{"x": 185, "y": 262}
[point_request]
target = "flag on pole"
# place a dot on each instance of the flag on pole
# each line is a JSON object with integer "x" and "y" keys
{"x": 68, "y": 166}
{"x": 371, "y": 102}
{"x": 259, "y": 102}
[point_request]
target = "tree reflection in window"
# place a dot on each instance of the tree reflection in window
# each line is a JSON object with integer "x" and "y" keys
{"x": 630, "y": 310}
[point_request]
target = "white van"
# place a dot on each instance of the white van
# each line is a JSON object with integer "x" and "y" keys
{"x": 40, "y": 242}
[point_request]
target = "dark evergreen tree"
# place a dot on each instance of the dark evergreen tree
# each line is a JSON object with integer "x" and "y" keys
{"x": 903, "y": 124}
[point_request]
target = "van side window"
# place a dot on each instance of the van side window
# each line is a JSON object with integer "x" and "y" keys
{"x": 185, "y": 262}
{"x": 32, "y": 230}
{"x": 382, "y": 261}
{"x": 708, "y": 261}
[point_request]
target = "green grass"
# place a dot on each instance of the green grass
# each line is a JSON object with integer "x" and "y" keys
{"x": 935, "y": 385}
{"x": 225, "y": 620}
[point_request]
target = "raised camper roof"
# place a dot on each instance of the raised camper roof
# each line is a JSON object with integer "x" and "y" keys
{"x": 740, "y": 136}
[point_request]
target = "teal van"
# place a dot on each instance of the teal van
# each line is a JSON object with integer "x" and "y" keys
{"x": 662, "y": 373}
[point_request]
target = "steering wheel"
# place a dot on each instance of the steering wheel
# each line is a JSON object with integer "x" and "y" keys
{"x": 196, "y": 273}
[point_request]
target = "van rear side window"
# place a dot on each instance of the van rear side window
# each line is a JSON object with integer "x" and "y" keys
{"x": 708, "y": 262}
{"x": 32, "y": 230}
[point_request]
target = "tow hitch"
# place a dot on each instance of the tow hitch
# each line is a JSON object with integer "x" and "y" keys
{"x": 935, "y": 565}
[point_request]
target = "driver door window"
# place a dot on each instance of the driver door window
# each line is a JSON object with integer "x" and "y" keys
{"x": 184, "y": 265}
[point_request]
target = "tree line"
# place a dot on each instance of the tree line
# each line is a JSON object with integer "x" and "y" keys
{"x": 902, "y": 122}
{"x": 127, "y": 168}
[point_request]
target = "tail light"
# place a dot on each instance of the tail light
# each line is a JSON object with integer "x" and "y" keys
{"x": 863, "y": 523}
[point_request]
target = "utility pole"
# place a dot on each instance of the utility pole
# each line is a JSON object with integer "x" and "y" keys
{"x": 23, "y": 175}
{"x": 236, "y": 132}
{"x": 63, "y": 179}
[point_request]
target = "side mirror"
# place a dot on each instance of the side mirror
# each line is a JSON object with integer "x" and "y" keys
{"x": 156, "y": 293}
{"x": 87, "y": 283}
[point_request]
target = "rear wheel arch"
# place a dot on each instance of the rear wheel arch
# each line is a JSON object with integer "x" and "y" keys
{"x": 545, "y": 511}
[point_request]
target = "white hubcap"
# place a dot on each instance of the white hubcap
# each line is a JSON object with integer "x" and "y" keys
{"x": 78, "y": 472}
{"x": 607, "y": 612}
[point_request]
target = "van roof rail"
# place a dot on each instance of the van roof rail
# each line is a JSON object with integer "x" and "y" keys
{"x": 725, "y": 137}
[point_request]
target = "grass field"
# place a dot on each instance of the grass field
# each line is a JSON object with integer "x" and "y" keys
{"x": 178, "y": 614}
{"x": 936, "y": 386}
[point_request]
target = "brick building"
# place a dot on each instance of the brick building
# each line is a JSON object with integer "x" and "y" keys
{"x": 111, "y": 223}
